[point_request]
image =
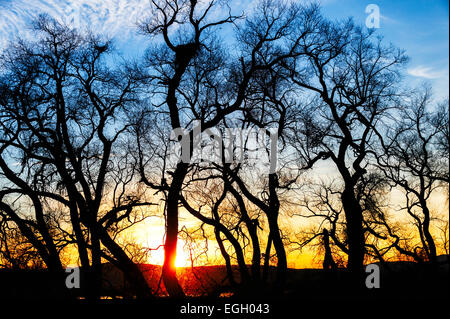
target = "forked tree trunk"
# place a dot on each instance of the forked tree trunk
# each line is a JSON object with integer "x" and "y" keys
{"x": 279, "y": 249}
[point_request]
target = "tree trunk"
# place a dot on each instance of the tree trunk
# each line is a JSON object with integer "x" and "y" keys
{"x": 95, "y": 273}
{"x": 253, "y": 232}
{"x": 169, "y": 274}
{"x": 131, "y": 271}
{"x": 233, "y": 241}
{"x": 279, "y": 249}
{"x": 272, "y": 216}
{"x": 431, "y": 251}
{"x": 328, "y": 261}
{"x": 245, "y": 277}
{"x": 225, "y": 256}
{"x": 267, "y": 259}
{"x": 256, "y": 258}
{"x": 355, "y": 236}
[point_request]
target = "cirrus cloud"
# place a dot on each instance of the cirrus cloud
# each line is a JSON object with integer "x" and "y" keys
{"x": 425, "y": 72}
{"x": 114, "y": 17}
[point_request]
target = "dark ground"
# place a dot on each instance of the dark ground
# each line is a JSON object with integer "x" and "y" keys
{"x": 407, "y": 290}
{"x": 398, "y": 280}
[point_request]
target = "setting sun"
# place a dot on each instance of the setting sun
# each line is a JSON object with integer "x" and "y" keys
{"x": 182, "y": 259}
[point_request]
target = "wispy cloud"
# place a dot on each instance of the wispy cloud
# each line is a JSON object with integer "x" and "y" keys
{"x": 426, "y": 72}
{"x": 113, "y": 17}
{"x": 387, "y": 19}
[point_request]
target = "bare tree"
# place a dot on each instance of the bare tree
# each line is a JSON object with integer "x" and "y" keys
{"x": 195, "y": 81}
{"x": 191, "y": 54}
{"x": 277, "y": 29}
{"x": 354, "y": 79}
{"x": 412, "y": 160}
{"x": 16, "y": 250}
{"x": 63, "y": 111}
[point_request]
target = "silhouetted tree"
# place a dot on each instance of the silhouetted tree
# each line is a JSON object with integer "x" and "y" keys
{"x": 414, "y": 159}
{"x": 195, "y": 80}
{"x": 328, "y": 261}
{"x": 353, "y": 78}
{"x": 16, "y": 249}
{"x": 270, "y": 105}
{"x": 189, "y": 58}
{"x": 62, "y": 111}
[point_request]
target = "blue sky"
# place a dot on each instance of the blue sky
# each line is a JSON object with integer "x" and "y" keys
{"x": 420, "y": 27}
